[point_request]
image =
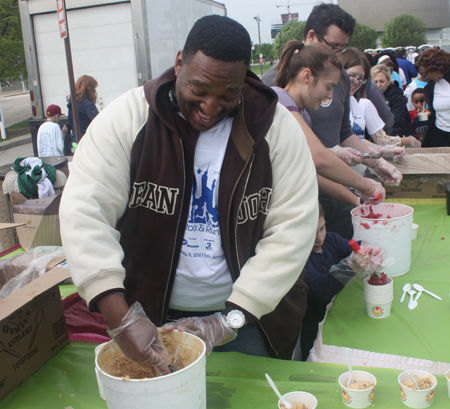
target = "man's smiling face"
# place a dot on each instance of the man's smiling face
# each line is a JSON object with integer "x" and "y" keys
{"x": 207, "y": 89}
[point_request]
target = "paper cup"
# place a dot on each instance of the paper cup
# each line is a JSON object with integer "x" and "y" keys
{"x": 354, "y": 398}
{"x": 378, "y": 310}
{"x": 306, "y": 398}
{"x": 415, "y": 227}
{"x": 378, "y": 298}
{"x": 417, "y": 399}
{"x": 423, "y": 116}
{"x": 447, "y": 375}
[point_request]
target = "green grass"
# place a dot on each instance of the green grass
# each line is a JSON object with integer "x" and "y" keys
{"x": 19, "y": 129}
{"x": 257, "y": 68}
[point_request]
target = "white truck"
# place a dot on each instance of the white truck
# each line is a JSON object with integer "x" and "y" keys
{"x": 121, "y": 43}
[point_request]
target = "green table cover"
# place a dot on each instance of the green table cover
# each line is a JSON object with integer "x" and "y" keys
{"x": 420, "y": 333}
{"x": 234, "y": 381}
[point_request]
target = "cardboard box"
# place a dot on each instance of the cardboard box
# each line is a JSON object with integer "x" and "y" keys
{"x": 413, "y": 189}
{"x": 33, "y": 328}
{"x": 41, "y": 218}
{"x": 424, "y": 161}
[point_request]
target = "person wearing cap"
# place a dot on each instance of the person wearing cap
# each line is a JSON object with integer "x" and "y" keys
{"x": 50, "y": 138}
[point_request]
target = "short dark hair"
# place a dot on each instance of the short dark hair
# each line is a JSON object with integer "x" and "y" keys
{"x": 400, "y": 53}
{"x": 417, "y": 91}
{"x": 324, "y": 15}
{"x": 218, "y": 37}
{"x": 321, "y": 211}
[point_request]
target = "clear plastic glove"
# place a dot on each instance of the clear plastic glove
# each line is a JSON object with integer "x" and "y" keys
{"x": 378, "y": 194}
{"x": 140, "y": 340}
{"x": 359, "y": 265}
{"x": 393, "y": 153}
{"x": 387, "y": 172}
{"x": 349, "y": 155}
{"x": 414, "y": 143}
{"x": 212, "y": 329}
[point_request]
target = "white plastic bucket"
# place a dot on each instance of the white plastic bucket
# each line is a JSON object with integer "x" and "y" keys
{"x": 185, "y": 388}
{"x": 391, "y": 230}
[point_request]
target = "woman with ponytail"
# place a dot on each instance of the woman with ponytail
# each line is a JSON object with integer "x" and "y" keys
{"x": 306, "y": 77}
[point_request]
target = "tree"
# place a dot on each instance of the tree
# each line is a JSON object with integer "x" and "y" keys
{"x": 404, "y": 30}
{"x": 12, "y": 56}
{"x": 266, "y": 50}
{"x": 292, "y": 30}
{"x": 364, "y": 37}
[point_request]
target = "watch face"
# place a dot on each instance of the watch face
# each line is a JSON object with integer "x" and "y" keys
{"x": 235, "y": 319}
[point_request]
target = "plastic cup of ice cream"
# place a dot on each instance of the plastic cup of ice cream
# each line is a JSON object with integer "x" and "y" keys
{"x": 447, "y": 376}
{"x": 418, "y": 399}
{"x": 423, "y": 116}
{"x": 306, "y": 398}
{"x": 354, "y": 398}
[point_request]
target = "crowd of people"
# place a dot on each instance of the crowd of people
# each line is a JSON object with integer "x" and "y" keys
{"x": 199, "y": 200}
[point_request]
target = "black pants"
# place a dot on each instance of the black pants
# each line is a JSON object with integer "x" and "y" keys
{"x": 337, "y": 216}
{"x": 436, "y": 138}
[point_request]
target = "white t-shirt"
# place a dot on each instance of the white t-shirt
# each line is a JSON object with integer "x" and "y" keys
{"x": 203, "y": 281}
{"x": 364, "y": 115}
{"x": 441, "y": 104}
{"x": 50, "y": 140}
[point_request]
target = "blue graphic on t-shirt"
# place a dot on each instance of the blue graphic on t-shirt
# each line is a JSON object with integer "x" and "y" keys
{"x": 203, "y": 210}
{"x": 357, "y": 130}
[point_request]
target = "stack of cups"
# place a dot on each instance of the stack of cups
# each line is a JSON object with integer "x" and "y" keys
{"x": 378, "y": 298}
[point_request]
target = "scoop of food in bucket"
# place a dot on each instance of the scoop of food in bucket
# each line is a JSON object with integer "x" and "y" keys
{"x": 366, "y": 260}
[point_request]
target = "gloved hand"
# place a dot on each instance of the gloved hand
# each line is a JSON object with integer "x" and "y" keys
{"x": 367, "y": 260}
{"x": 393, "y": 153}
{"x": 359, "y": 265}
{"x": 212, "y": 329}
{"x": 349, "y": 155}
{"x": 389, "y": 173}
{"x": 414, "y": 143}
{"x": 140, "y": 340}
{"x": 377, "y": 196}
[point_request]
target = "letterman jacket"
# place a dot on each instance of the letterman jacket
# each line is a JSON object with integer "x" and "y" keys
{"x": 125, "y": 206}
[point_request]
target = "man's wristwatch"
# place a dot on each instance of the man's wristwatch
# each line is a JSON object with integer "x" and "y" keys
{"x": 235, "y": 318}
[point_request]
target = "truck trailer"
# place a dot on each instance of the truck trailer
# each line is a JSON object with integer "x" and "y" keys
{"x": 121, "y": 43}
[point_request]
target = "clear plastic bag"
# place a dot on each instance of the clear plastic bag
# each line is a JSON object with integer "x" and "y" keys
{"x": 363, "y": 263}
{"x": 21, "y": 269}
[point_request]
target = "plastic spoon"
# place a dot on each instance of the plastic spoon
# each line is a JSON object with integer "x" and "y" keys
{"x": 411, "y": 304}
{"x": 283, "y": 401}
{"x": 406, "y": 288}
{"x": 418, "y": 287}
{"x": 349, "y": 362}
{"x": 414, "y": 381}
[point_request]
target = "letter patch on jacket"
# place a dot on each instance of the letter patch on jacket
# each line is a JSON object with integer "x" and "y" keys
{"x": 254, "y": 204}
{"x": 160, "y": 199}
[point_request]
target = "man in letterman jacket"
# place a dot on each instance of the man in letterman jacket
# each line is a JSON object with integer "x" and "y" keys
{"x": 194, "y": 197}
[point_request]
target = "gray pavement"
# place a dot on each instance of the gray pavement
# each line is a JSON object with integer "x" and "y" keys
{"x": 14, "y": 148}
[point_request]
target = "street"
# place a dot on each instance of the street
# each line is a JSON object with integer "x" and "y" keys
{"x": 16, "y": 107}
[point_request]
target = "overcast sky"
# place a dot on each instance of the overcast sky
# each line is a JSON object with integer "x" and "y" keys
{"x": 244, "y": 12}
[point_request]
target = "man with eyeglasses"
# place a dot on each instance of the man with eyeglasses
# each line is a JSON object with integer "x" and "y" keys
{"x": 329, "y": 24}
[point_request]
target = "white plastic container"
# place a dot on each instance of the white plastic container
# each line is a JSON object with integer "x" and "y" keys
{"x": 185, "y": 388}
{"x": 391, "y": 230}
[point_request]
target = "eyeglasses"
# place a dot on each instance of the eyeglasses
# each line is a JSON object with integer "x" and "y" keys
{"x": 355, "y": 78}
{"x": 334, "y": 48}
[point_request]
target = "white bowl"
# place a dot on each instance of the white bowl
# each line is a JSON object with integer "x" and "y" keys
{"x": 304, "y": 397}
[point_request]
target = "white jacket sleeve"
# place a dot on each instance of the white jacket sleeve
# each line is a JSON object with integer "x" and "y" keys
{"x": 291, "y": 223}
{"x": 96, "y": 195}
